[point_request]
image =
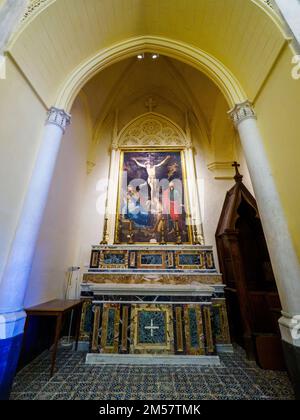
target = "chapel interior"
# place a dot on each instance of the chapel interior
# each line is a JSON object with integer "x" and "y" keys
{"x": 190, "y": 266}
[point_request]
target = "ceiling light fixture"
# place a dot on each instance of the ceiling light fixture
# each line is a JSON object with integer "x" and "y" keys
{"x": 140, "y": 56}
{"x": 155, "y": 56}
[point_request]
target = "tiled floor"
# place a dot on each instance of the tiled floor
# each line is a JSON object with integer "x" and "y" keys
{"x": 234, "y": 379}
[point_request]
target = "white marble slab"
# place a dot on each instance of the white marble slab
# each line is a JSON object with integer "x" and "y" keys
{"x": 142, "y": 360}
{"x": 151, "y": 289}
{"x": 153, "y": 247}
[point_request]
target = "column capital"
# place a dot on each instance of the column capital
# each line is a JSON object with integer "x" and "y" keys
{"x": 58, "y": 117}
{"x": 242, "y": 112}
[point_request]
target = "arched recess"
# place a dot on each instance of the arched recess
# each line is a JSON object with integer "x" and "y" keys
{"x": 202, "y": 61}
{"x": 149, "y": 131}
{"x": 236, "y": 34}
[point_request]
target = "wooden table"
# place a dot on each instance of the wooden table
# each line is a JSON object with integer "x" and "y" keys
{"x": 57, "y": 308}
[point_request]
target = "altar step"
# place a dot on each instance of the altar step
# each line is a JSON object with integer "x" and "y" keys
{"x": 134, "y": 359}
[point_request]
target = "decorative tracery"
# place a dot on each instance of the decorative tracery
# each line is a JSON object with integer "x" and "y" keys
{"x": 151, "y": 130}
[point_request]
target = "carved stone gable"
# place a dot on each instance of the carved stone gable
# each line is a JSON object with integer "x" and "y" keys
{"x": 151, "y": 130}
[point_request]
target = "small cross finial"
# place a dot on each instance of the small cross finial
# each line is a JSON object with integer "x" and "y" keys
{"x": 238, "y": 177}
{"x": 236, "y": 166}
{"x": 150, "y": 104}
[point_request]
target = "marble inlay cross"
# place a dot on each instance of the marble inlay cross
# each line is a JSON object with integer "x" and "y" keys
{"x": 152, "y": 327}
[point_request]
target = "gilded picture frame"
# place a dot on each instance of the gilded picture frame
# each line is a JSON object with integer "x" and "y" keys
{"x": 165, "y": 212}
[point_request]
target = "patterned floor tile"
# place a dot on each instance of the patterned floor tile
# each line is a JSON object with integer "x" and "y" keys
{"x": 23, "y": 396}
{"x": 236, "y": 378}
{"x": 44, "y": 396}
{"x": 64, "y": 396}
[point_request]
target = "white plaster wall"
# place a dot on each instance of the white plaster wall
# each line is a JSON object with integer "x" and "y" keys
{"x": 212, "y": 195}
{"x": 213, "y": 191}
{"x": 135, "y": 109}
{"x": 93, "y": 212}
{"x": 21, "y": 125}
{"x": 57, "y": 246}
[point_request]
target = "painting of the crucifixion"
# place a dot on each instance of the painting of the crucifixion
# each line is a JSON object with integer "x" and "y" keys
{"x": 152, "y": 197}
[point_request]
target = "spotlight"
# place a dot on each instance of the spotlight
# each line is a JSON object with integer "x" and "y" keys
{"x": 155, "y": 56}
{"x": 140, "y": 56}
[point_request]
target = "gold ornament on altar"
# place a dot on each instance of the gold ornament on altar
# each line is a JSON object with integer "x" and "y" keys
{"x": 105, "y": 233}
{"x": 195, "y": 236}
{"x": 163, "y": 231}
{"x": 118, "y": 231}
{"x": 130, "y": 233}
{"x": 178, "y": 234}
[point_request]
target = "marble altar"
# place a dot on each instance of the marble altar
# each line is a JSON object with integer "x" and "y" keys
{"x": 154, "y": 300}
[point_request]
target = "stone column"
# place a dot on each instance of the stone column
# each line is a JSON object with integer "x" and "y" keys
{"x": 284, "y": 259}
{"x": 15, "y": 277}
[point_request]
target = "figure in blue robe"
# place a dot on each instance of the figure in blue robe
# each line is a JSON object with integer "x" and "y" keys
{"x": 133, "y": 210}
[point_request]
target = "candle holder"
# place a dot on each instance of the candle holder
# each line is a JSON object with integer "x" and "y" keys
{"x": 178, "y": 234}
{"x": 130, "y": 233}
{"x": 105, "y": 233}
{"x": 118, "y": 231}
{"x": 163, "y": 229}
{"x": 195, "y": 234}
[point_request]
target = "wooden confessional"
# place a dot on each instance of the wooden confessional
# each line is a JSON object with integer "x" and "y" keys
{"x": 252, "y": 298}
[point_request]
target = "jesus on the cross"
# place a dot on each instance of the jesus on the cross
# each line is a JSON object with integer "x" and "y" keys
{"x": 152, "y": 181}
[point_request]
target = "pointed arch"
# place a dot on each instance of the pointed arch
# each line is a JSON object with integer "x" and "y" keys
{"x": 207, "y": 64}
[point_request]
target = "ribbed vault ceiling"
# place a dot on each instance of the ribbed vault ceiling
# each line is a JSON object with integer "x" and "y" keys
{"x": 62, "y": 36}
{"x": 175, "y": 88}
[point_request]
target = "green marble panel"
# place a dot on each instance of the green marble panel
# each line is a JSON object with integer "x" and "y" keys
{"x": 151, "y": 327}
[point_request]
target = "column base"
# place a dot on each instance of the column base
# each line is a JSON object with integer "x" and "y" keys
{"x": 11, "y": 334}
{"x": 10, "y": 349}
{"x": 290, "y": 333}
{"x": 292, "y": 360}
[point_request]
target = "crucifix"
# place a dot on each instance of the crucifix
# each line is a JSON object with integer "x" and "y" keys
{"x": 236, "y": 166}
{"x": 152, "y": 327}
{"x": 238, "y": 177}
{"x": 150, "y": 104}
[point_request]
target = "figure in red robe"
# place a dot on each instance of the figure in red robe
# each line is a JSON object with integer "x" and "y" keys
{"x": 172, "y": 205}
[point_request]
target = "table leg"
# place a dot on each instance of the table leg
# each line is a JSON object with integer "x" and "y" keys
{"x": 56, "y": 340}
{"x": 78, "y": 322}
